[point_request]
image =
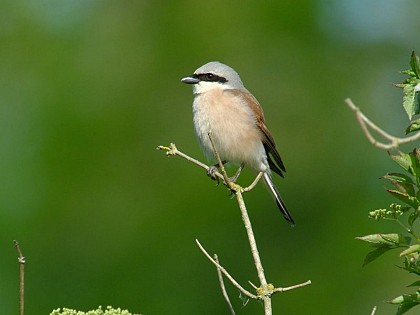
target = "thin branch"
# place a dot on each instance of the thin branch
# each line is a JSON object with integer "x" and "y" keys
{"x": 21, "y": 260}
{"x": 222, "y": 286}
{"x": 265, "y": 290}
{"x": 365, "y": 124}
{"x": 253, "y": 285}
{"x": 300, "y": 285}
{"x": 255, "y": 182}
{"x": 251, "y": 239}
{"x": 172, "y": 151}
{"x": 223, "y": 270}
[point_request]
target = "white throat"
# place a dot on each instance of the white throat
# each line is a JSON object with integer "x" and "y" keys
{"x": 204, "y": 86}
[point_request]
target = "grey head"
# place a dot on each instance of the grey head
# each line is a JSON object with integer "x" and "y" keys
{"x": 214, "y": 74}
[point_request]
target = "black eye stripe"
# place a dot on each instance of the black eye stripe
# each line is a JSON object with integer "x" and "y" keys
{"x": 210, "y": 77}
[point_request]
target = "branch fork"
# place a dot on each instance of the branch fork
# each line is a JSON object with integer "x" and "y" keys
{"x": 265, "y": 290}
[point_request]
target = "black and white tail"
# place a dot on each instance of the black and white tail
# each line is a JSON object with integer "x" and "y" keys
{"x": 279, "y": 201}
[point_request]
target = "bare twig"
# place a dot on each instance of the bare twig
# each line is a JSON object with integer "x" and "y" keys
{"x": 373, "y": 311}
{"x": 255, "y": 182}
{"x": 365, "y": 124}
{"x": 21, "y": 260}
{"x": 223, "y": 270}
{"x": 300, "y": 285}
{"x": 222, "y": 285}
{"x": 172, "y": 151}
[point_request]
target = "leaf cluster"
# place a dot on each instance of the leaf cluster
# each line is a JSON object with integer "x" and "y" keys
{"x": 406, "y": 190}
{"x": 411, "y": 89}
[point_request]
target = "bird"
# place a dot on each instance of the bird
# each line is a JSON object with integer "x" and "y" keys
{"x": 223, "y": 106}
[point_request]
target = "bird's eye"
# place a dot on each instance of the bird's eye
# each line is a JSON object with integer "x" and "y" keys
{"x": 209, "y": 76}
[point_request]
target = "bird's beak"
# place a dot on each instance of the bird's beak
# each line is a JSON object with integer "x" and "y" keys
{"x": 190, "y": 80}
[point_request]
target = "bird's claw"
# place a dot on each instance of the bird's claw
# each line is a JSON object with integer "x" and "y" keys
{"x": 211, "y": 172}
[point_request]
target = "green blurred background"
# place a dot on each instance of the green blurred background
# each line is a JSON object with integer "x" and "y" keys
{"x": 89, "y": 89}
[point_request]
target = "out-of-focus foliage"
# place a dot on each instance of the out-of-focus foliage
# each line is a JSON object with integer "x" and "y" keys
{"x": 88, "y": 89}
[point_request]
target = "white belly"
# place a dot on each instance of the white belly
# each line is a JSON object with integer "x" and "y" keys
{"x": 233, "y": 126}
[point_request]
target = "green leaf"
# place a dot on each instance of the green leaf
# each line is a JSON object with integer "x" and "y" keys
{"x": 402, "y": 178}
{"x": 411, "y": 87}
{"x": 409, "y": 100}
{"x": 415, "y": 64}
{"x": 406, "y": 240}
{"x": 415, "y": 284}
{"x": 406, "y": 298}
{"x": 405, "y": 307}
{"x": 377, "y": 252}
{"x": 381, "y": 239}
{"x": 404, "y": 188}
{"x": 414, "y": 126}
{"x": 404, "y": 197}
{"x": 413, "y": 217}
{"x": 403, "y": 160}
{"x": 415, "y": 162}
{"x": 412, "y": 249}
{"x": 411, "y": 263}
{"x": 403, "y": 183}
{"x": 406, "y": 302}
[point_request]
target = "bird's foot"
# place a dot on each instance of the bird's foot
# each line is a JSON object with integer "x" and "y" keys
{"x": 211, "y": 172}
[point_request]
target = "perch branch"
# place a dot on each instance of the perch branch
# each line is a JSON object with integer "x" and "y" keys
{"x": 365, "y": 124}
{"x": 264, "y": 293}
{"x": 266, "y": 290}
{"x": 172, "y": 151}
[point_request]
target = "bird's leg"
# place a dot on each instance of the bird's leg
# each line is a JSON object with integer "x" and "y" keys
{"x": 213, "y": 169}
{"x": 238, "y": 172}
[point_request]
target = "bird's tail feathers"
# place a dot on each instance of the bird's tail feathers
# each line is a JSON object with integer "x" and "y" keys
{"x": 277, "y": 197}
